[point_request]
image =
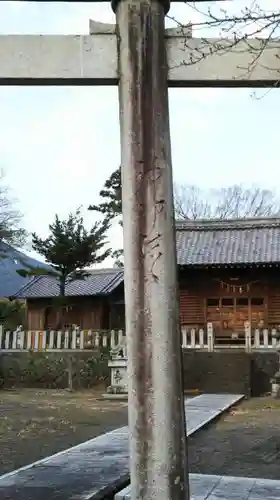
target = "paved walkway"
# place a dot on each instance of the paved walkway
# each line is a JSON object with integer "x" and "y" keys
{"x": 204, "y": 487}
{"x": 99, "y": 466}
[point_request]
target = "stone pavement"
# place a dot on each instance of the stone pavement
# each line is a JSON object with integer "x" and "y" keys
{"x": 204, "y": 487}
{"x": 100, "y": 466}
{"x": 204, "y": 408}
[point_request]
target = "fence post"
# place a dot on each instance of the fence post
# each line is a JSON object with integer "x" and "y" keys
{"x": 66, "y": 340}
{"x": 184, "y": 338}
{"x": 193, "y": 338}
{"x": 201, "y": 338}
{"x": 120, "y": 337}
{"x": 104, "y": 340}
{"x": 7, "y": 340}
{"x": 36, "y": 340}
{"x": 257, "y": 338}
{"x": 210, "y": 337}
{"x": 82, "y": 339}
{"x": 74, "y": 339}
{"x": 22, "y": 339}
{"x": 51, "y": 340}
{"x": 29, "y": 340}
{"x": 274, "y": 338}
{"x": 44, "y": 340}
{"x": 97, "y": 339}
{"x": 247, "y": 327}
{"x": 58, "y": 343}
{"x": 265, "y": 338}
{"x": 15, "y": 338}
{"x": 112, "y": 340}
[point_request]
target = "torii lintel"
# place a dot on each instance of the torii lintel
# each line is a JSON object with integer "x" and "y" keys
{"x": 93, "y": 59}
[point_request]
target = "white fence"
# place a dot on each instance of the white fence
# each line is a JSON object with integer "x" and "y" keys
{"x": 76, "y": 339}
{"x": 68, "y": 340}
{"x": 198, "y": 338}
{"x": 252, "y": 339}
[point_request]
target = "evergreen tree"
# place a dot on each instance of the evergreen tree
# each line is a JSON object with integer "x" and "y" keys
{"x": 70, "y": 248}
{"x": 12, "y": 314}
{"x": 111, "y": 194}
{"x": 111, "y": 206}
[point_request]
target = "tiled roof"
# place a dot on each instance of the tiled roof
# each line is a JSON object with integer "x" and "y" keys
{"x": 225, "y": 242}
{"x": 11, "y": 261}
{"x": 199, "y": 243}
{"x": 99, "y": 282}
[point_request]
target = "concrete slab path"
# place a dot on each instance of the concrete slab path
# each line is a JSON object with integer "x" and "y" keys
{"x": 99, "y": 466}
{"x": 204, "y": 487}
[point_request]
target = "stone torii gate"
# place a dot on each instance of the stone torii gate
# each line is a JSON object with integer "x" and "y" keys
{"x": 143, "y": 59}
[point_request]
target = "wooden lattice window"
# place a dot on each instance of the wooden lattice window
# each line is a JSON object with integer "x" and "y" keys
{"x": 228, "y": 314}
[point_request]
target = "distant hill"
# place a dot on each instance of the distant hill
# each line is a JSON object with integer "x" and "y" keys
{"x": 10, "y": 280}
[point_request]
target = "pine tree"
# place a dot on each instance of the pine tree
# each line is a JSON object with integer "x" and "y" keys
{"x": 69, "y": 248}
{"x": 111, "y": 206}
{"x": 111, "y": 193}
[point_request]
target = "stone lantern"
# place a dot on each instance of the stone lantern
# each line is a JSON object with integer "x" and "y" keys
{"x": 118, "y": 369}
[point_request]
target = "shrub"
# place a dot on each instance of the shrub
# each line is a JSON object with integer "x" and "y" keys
{"x": 12, "y": 314}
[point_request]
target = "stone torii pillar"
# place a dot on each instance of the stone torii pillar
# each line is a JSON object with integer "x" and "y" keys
{"x": 158, "y": 454}
{"x": 143, "y": 60}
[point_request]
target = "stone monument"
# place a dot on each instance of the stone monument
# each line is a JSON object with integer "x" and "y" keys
{"x": 118, "y": 372}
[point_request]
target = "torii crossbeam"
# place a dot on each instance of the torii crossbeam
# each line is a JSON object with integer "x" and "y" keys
{"x": 143, "y": 59}
{"x": 93, "y": 59}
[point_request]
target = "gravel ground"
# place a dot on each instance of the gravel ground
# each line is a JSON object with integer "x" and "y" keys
{"x": 244, "y": 442}
{"x": 35, "y": 424}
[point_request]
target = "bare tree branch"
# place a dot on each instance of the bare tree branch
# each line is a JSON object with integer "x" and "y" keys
{"x": 251, "y": 22}
{"x": 236, "y": 201}
{"x": 10, "y": 218}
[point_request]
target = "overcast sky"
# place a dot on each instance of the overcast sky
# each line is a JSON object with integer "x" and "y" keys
{"x": 58, "y": 145}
